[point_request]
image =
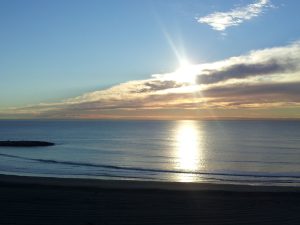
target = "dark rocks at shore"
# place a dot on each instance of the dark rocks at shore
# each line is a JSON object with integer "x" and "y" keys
{"x": 25, "y": 143}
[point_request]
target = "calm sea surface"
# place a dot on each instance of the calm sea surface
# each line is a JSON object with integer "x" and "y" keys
{"x": 250, "y": 152}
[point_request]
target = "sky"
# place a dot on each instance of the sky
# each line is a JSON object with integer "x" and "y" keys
{"x": 150, "y": 59}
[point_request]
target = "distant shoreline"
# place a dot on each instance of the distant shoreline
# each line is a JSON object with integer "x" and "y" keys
{"x": 153, "y": 119}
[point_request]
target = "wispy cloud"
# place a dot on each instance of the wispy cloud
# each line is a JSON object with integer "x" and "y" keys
{"x": 262, "y": 79}
{"x": 220, "y": 21}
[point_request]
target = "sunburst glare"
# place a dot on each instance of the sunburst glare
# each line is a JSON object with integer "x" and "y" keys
{"x": 186, "y": 72}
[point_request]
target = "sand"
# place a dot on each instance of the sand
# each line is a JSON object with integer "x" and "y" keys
{"x": 33, "y": 200}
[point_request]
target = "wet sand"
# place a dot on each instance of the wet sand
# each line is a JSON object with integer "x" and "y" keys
{"x": 32, "y": 200}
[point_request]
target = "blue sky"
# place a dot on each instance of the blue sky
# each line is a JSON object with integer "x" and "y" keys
{"x": 53, "y": 50}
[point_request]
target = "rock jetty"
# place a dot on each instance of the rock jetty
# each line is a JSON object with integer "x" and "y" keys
{"x": 25, "y": 143}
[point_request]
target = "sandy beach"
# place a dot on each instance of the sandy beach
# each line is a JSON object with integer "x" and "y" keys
{"x": 33, "y": 200}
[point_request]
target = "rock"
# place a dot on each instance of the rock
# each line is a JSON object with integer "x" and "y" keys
{"x": 25, "y": 143}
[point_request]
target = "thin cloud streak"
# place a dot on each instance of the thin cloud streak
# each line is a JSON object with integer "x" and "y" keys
{"x": 220, "y": 21}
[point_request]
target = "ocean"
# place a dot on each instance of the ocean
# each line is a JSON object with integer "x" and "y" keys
{"x": 235, "y": 152}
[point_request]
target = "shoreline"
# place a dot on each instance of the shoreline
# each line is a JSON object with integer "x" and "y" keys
{"x": 138, "y": 185}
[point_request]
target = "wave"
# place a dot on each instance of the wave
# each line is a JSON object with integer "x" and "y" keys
{"x": 140, "y": 169}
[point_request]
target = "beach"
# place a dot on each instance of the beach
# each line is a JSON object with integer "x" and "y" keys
{"x": 36, "y": 200}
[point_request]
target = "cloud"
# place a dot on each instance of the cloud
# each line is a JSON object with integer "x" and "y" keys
{"x": 265, "y": 62}
{"x": 158, "y": 85}
{"x": 220, "y": 21}
{"x": 283, "y": 91}
{"x": 261, "y": 79}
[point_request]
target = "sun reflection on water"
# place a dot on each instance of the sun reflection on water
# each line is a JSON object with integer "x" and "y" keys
{"x": 189, "y": 149}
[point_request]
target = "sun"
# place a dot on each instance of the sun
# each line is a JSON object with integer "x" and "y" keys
{"x": 186, "y": 72}
{"x": 184, "y": 63}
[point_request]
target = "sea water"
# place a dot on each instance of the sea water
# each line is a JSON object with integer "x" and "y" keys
{"x": 243, "y": 152}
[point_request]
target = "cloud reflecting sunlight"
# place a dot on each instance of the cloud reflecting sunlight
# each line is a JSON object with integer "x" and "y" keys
{"x": 220, "y": 21}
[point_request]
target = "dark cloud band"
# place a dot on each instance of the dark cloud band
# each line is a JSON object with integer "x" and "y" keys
{"x": 244, "y": 70}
